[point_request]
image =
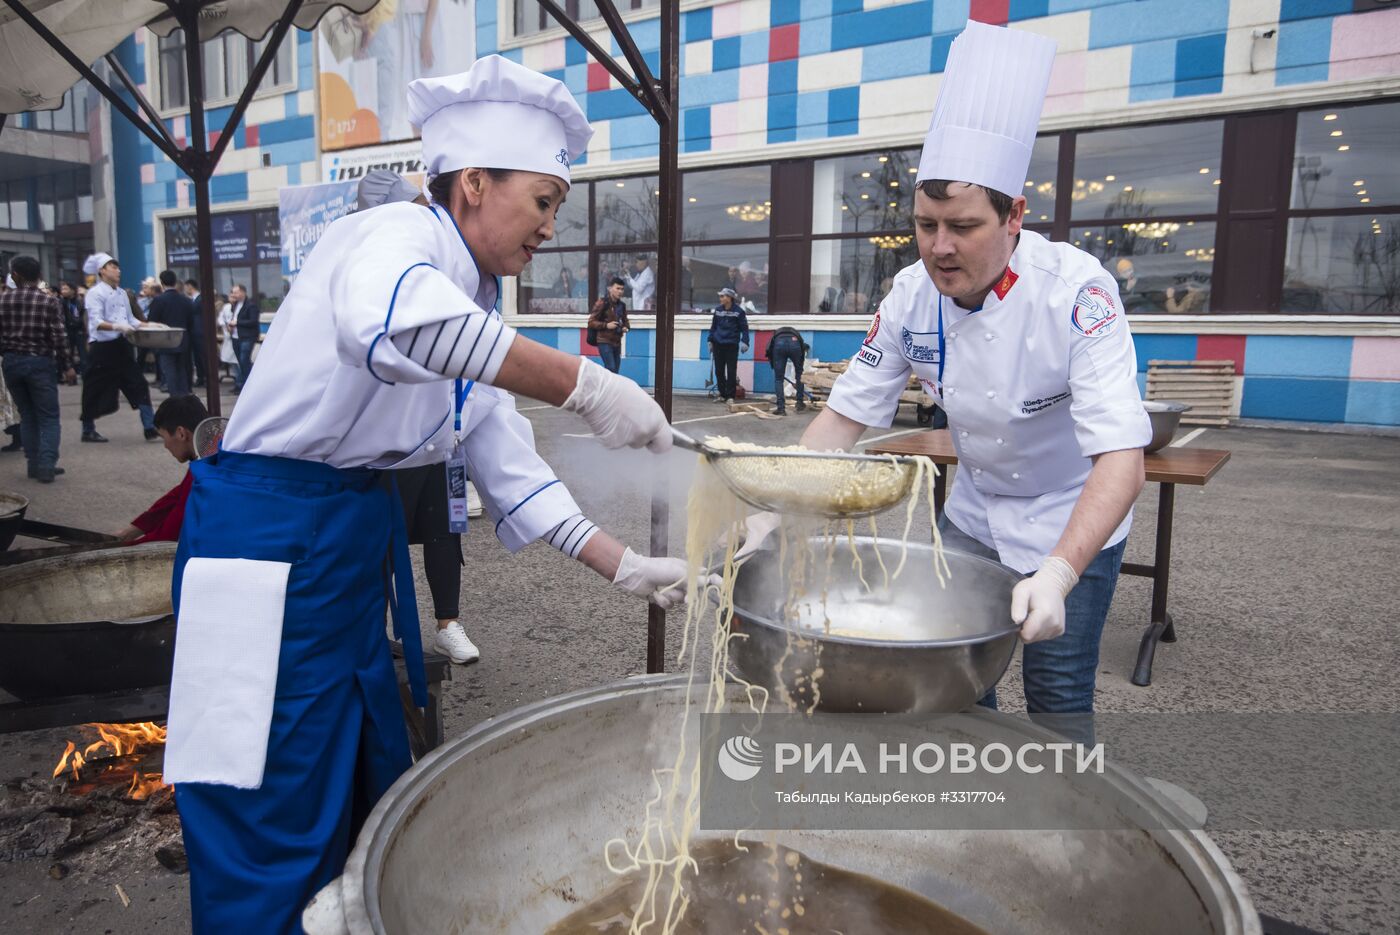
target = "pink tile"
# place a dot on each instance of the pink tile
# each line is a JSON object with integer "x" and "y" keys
{"x": 724, "y": 120}
{"x": 1365, "y": 45}
{"x": 724, "y": 21}
{"x": 148, "y": 173}
{"x": 551, "y": 55}
{"x": 753, "y": 81}
{"x": 1375, "y": 358}
{"x": 744, "y": 371}
{"x": 1066, "y": 93}
{"x": 182, "y": 194}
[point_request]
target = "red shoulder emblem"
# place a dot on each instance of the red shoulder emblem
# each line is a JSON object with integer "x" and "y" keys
{"x": 1004, "y": 284}
{"x": 874, "y": 329}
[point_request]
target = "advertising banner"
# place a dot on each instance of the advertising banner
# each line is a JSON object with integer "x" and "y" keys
{"x": 367, "y": 61}
{"x": 304, "y": 213}
{"x": 405, "y": 159}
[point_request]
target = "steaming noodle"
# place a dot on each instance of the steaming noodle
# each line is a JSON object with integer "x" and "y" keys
{"x": 661, "y": 868}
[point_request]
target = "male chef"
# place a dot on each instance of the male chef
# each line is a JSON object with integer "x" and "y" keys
{"x": 1024, "y": 344}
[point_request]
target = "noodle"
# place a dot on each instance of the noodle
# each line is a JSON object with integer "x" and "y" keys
{"x": 662, "y": 849}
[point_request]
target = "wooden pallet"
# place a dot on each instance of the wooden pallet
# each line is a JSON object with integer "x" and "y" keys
{"x": 1207, "y": 386}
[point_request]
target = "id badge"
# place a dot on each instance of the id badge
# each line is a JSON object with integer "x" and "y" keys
{"x": 457, "y": 490}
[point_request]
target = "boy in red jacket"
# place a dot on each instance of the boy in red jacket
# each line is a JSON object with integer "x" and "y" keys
{"x": 175, "y": 421}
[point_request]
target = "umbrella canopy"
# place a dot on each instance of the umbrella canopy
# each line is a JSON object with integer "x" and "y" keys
{"x": 33, "y": 76}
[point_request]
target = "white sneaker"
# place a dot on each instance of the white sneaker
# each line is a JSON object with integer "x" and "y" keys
{"x": 452, "y": 641}
{"x": 473, "y": 503}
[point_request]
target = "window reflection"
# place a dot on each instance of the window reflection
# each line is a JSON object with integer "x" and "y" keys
{"x": 555, "y": 284}
{"x": 727, "y": 204}
{"x": 627, "y": 210}
{"x": 852, "y": 275}
{"x": 1343, "y": 265}
{"x": 1040, "y": 180}
{"x": 571, "y": 223}
{"x": 1162, "y": 267}
{"x": 741, "y": 267}
{"x": 1147, "y": 171}
{"x": 637, "y": 270}
{"x": 1346, "y": 157}
{"x": 869, "y": 192}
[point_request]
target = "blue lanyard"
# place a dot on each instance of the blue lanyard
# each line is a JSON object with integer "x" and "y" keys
{"x": 461, "y": 390}
{"x": 942, "y": 346}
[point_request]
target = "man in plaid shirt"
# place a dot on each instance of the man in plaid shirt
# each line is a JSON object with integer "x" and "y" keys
{"x": 34, "y": 344}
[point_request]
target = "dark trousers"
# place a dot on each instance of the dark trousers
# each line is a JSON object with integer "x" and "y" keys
{"x": 197, "y": 352}
{"x": 610, "y": 356}
{"x": 243, "y": 347}
{"x": 33, "y": 383}
{"x": 726, "y": 368}
{"x": 111, "y": 369}
{"x": 423, "y": 491}
{"x": 175, "y": 372}
{"x": 779, "y": 357}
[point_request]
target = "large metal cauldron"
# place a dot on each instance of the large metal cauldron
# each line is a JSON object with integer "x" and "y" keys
{"x": 92, "y": 622}
{"x": 12, "y": 507}
{"x": 501, "y": 831}
{"x": 915, "y": 646}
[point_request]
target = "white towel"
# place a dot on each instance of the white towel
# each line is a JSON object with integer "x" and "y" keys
{"x": 227, "y": 640}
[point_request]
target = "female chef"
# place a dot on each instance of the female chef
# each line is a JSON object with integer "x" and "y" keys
{"x": 284, "y": 719}
{"x": 519, "y": 490}
{"x": 1025, "y": 346}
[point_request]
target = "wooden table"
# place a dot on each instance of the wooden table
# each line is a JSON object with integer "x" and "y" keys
{"x": 1168, "y": 467}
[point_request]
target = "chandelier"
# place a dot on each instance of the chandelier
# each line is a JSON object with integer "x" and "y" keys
{"x": 1153, "y": 229}
{"x": 1204, "y": 254}
{"x": 1083, "y": 189}
{"x": 750, "y": 212}
{"x": 891, "y": 241}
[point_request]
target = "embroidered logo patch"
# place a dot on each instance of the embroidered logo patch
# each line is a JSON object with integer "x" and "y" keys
{"x": 874, "y": 329}
{"x": 919, "y": 346}
{"x": 562, "y": 157}
{"x": 1095, "y": 313}
{"x": 869, "y": 356}
{"x": 1004, "y": 284}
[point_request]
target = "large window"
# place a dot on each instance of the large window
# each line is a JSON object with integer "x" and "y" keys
{"x": 247, "y": 252}
{"x": 530, "y": 17}
{"x": 229, "y": 58}
{"x": 1343, "y": 253}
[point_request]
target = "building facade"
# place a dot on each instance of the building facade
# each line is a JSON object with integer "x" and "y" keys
{"x": 1235, "y": 165}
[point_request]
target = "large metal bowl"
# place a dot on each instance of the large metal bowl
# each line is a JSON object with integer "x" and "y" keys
{"x": 1165, "y": 416}
{"x": 12, "y": 507}
{"x": 93, "y": 622}
{"x": 538, "y": 790}
{"x": 157, "y": 339}
{"x": 916, "y": 646}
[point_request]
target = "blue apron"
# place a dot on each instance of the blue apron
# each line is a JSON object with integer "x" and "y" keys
{"x": 337, "y": 739}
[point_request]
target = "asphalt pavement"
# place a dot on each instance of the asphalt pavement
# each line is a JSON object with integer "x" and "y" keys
{"x": 1282, "y": 576}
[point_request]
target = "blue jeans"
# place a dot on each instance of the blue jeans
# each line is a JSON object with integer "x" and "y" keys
{"x": 779, "y": 354}
{"x": 1059, "y": 674}
{"x": 174, "y": 370}
{"x": 244, "y": 349}
{"x": 33, "y": 383}
{"x": 610, "y": 356}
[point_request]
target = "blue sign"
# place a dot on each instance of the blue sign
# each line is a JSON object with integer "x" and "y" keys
{"x": 305, "y": 212}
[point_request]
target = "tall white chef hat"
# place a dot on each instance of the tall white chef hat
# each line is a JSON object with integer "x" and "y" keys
{"x": 95, "y": 262}
{"x": 383, "y": 186}
{"x": 498, "y": 115}
{"x": 988, "y": 108}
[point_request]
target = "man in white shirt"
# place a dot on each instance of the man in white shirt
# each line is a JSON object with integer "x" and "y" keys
{"x": 112, "y": 366}
{"x": 642, "y": 282}
{"x": 1024, "y": 344}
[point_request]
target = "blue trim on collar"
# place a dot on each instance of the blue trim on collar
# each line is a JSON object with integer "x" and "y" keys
{"x": 496, "y": 302}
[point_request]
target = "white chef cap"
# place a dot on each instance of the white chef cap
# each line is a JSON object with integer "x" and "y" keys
{"x": 988, "y": 108}
{"x": 498, "y": 115}
{"x": 95, "y": 262}
{"x": 382, "y": 186}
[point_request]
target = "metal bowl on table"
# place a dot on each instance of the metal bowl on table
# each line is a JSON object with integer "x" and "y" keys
{"x": 1166, "y": 417}
{"x": 12, "y": 507}
{"x": 93, "y": 622}
{"x": 916, "y": 646}
{"x": 157, "y": 339}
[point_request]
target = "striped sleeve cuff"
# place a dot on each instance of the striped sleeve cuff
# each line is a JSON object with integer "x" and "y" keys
{"x": 468, "y": 347}
{"x": 571, "y": 535}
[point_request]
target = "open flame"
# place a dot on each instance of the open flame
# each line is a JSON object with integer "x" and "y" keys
{"x": 117, "y": 742}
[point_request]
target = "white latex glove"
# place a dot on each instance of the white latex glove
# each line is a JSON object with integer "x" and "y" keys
{"x": 758, "y": 532}
{"x": 659, "y": 580}
{"x": 618, "y": 411}
{"x": 743, "y": 348}
{"x": 1038, "y": 602}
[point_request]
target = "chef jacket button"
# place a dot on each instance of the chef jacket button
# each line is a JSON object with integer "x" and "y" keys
{"x": 1030, "y": 519}
{"x": 1000, "y": 442}
{"x": 991, "y": 394}
{"x": 953, "y": 336}
{"x": 1015, "y": 476}
{"x": 950, "y": 390}
{"x": 977, "y": 470}
{"x": 431, "y": 447}
{"x": 963, "y": 433}
{"x": 987, "y": 335}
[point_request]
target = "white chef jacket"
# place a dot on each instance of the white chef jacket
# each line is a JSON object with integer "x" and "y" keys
{"x": 330, "y": 384}
{"x": 1034, "y": 383}
{"x": 105, "y": 303}
{"x": 643, "y": 287}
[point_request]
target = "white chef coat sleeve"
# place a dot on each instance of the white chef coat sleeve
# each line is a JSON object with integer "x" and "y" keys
{"x": 868, "y": 392}
{"x": 388, "y": 283}
{"x": 1105, "y": 402}
{"x": 518, "y": 489}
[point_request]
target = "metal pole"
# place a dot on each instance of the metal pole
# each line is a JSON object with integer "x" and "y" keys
{"x": 668, "y": 295}
{"x": 199, "y": 167}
